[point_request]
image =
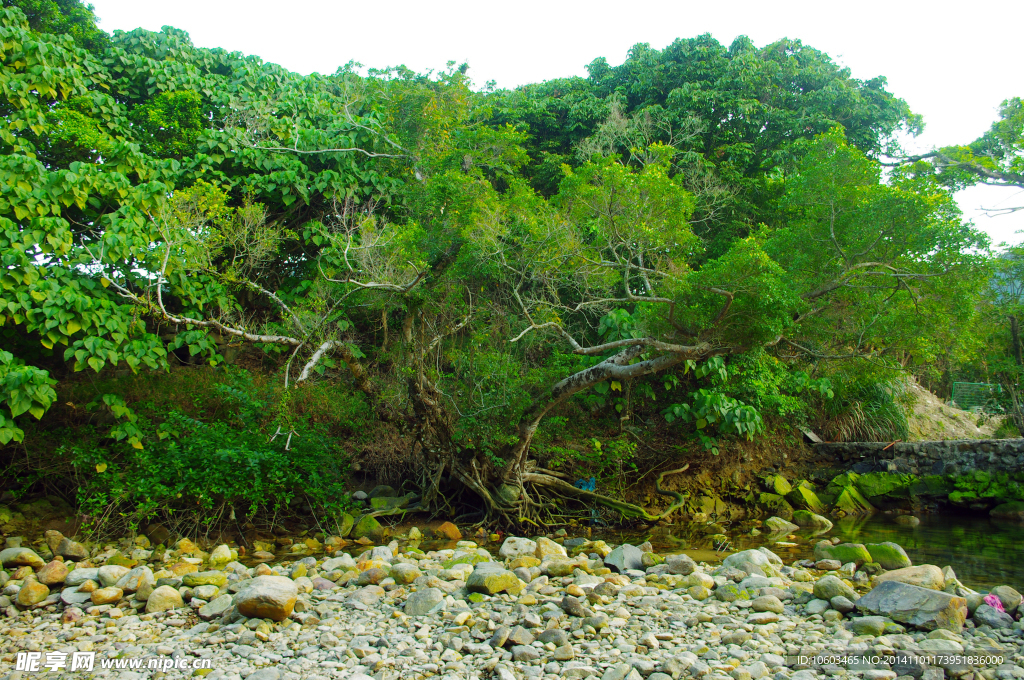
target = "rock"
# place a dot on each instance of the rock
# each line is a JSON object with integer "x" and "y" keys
{"x": 514, "y": 547}
{"x": 777, "y": 525}
{"x": 343, "y": 562}
{"x": 367, "y": 595}
{"x": 110, "y": 574}
{"x": 32, "y": 592}
{"x": 842, "y": 604}
{"x": 1012, "y": 510}
{"x": 448, "y": 531}
{"x": 520, "y": 636}
{"x": 371, "y": 577}
{"x": 500, "y": 637}
{"x": 752, "y": 562}
{"x": 810, "y": 520}
{"x": 548, "y": 548}
{"x": 71, "y": 550}
{"x": 108, "y": 595}
{"x": 405, "y": 573}
{"x": 52, "y": 573}
{"x": 135, "y": 579}
{"x": 906, "y": 520}
{"x": 1009, "y": 597}
{"x": 869, "y": 625}
{"x": 680, "y": 564}
{"x": 555, "y": 636}
{"x": 827, "y": 587}
{"x": 77, "y": 577}
{"x": 524, "y": 654}
{"x": 803, "y": 496}
{"x": 491, "y": 581}
{"x": 818, "y": 606}
{"x": 423, "y": 602}
{"x": 21, "y": 557}
{"x": 990, "y": 616}
{"x": 828, "y": 565}
{"x": 922, "y": 607}
{"x": 890, "y": 555}
{"x": 204, "y": 578}
{"x": 563, "y": 653}
{"x": 844, "y": 552}
{"x": 220, "y": 556}
{"x": 215, "y": 607}
{"x": 573, "y": 607}
{"x": 699, "y": 593}
{"x": 925, "y": 575}
{"x": 767, "y": 603}
{"x": 368, "y": 527}
{"x": 267, "y": 597}
{"x": 625, "y": 557}
{"x": 163, "y": 599}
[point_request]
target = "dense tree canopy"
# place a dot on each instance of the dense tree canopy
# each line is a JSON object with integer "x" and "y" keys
{"x": 453, "y": 255}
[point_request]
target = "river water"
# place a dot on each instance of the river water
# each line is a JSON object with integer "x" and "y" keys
{"x": 983, "y": 552}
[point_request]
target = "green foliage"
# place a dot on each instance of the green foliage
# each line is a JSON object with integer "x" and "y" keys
{"x": 24, "y": 389}
{"x": 870, "y": 404}
{"x": 63, "y": 17}
{"x": 201, "y": 470}
{"x": 169, "y": 124}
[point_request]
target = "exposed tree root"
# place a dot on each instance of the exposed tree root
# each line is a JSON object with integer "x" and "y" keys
{"x": 627, "y": 510}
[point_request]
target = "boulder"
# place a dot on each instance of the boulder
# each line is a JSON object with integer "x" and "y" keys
{"x": 448, "y": 531}
{"x": 267, "y": 597}
{"x": 220, "y": 556}
{"x": 515, "y": 546}
{"x": 809, "y": 520}
{"x": 922, "y": 607}
{"x": 368, "y": 527}
{"x": 53, "y": 573}
{"x": 752, "y": 562}
{"x": 1009, "y": 597}
{"x": 21, "y": 557}
{"x": 77, "y": 577}
{"x": 990, "y": 616}
{"x": 777, "y": 525}
{"x": 110, "y": 574}
{"x": 108, "y": 595}
{"x": 625, "y": 557}
{"x": 405, "y": 573}
{"x": 828, "y": 587}
{"x": 803, "y": 496}
{"x": 491, "y": 581}
{"x": 71, "y": 550}
{"x": 548, "y": 548}
{"x": 680, "y": 564}
{"x": 844, "y": 552}
{"x": 135, "y": 579}
{"x": 868, "y": 625}
{"x": 32, "y": 592}
{"x": 204, "y": 578}
{"x": 163, "y": 599}
{"x": 889, "y": 555}
{"x": 1012, "y": 510}
{"x": 423, "y": 602}
{"x": 367, "y": 595}
{"x": 215, "y": 607}
{"x": 925, "y": 575}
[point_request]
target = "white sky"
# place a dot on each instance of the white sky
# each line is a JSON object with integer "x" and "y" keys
{"x": 953, "y": 62}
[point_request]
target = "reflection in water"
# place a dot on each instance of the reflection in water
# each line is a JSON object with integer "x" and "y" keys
{"x": 983, "y": 552}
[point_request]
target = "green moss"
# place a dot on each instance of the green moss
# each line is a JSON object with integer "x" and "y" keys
{"x": 778, "y": 484}
{"x": 804, "y": 497}
{"x": 465, "y": 559}
{"x": 889, "y": 555}
{"x": 891, "y": 484}
{"x": 852, "y": 502}
{"x": 844, "y": 552}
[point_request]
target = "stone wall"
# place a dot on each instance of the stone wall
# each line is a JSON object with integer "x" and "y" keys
{"x": 928, "y": 458}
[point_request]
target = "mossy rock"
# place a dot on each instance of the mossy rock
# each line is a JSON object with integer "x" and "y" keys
{"x": 932, "y": 485}
{"x": 777, "y": 505}
{"x": 891, "y": 484}
{"x": 476, "y": 598}
{"x": 472, "y": 558}
{"x": 730, "y": 592}
{"x": 345, "y": 525}
{"x": 778, "y": 485}
{"x": 889, "y": 555}
{"x": 391, "y": 502}
{"x": 802, "y": 496}
{"x": 368, "y": 527}
{"x": 844, "y": 552}
{"x": 1011, "y": 510}
{"x": 810, "y": 520}
{"x": 120, "y": 560}
{"x": 852, "y": 502}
